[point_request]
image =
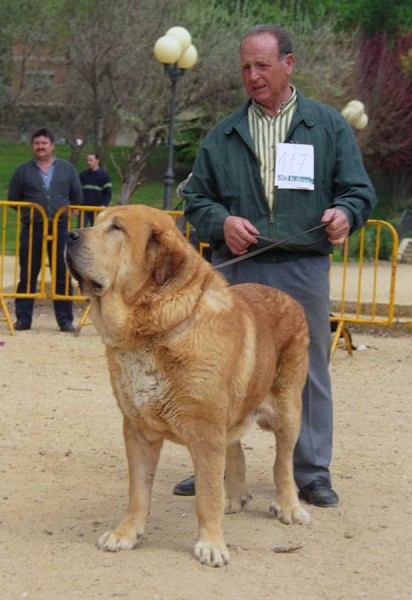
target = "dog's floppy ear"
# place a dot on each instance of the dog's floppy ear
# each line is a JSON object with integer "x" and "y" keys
{"x": 171, "y": 254}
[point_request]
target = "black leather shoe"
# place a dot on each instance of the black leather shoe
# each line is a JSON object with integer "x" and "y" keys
{"x": 185, "y": 487}
{"x": 21, "y": 326}
{"x": 67, "y": 328}
{"x": 319, "y": 493}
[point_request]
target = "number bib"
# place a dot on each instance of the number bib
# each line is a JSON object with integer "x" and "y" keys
{"x": 295, "y": 167}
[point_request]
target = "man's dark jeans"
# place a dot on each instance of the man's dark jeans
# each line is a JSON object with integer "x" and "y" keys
{"x": 63, "y": 309}
{"x": 89, "y": 217}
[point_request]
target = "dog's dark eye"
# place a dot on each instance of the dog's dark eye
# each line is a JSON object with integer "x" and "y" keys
{"x": 116, "y": 226}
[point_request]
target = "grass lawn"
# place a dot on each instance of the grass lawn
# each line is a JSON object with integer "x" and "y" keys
{"x": 150, "y": 193}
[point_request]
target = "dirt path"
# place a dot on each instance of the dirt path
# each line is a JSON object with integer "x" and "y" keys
{"x": 64, "y": 482}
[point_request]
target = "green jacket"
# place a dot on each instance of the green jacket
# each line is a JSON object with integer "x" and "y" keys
{"x": 226, "y": 181}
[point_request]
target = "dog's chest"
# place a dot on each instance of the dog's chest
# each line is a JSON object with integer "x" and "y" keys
{"x": 138, "y": 382}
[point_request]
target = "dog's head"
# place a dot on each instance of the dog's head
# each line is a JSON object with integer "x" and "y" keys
{"x": 130, "y": 248}
{"x": 133, "y": 256}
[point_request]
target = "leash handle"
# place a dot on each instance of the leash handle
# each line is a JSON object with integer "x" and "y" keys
{"x": 274, "y": 244}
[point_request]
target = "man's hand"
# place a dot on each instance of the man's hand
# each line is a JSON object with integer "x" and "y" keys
{"x": 338, "y": 230}
{"x": 239, "y": 234}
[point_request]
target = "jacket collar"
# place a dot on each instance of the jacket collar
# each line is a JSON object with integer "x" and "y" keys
{"x": 239, "y": 119}
{"x": 304, "y": 112}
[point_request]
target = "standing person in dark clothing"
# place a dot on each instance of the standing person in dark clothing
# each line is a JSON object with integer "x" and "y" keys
{"x": 281, "y": 166}
{"x": 97, "y": 188}
{"x": 52, "y": 183}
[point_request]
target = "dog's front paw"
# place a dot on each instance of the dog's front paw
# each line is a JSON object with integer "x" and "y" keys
{"x": 212, "y": 555}
{"x": 113, "y": 541}
{"x": 296, "y": 514}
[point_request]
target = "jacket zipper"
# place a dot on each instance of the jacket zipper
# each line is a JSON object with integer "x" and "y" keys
{"x": 270, "y": 210}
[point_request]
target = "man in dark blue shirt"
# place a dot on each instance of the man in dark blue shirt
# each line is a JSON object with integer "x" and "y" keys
{"x": 97, "y": 188}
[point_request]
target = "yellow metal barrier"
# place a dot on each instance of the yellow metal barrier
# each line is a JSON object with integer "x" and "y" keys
{"x": 368, "y": 308}
{"x": 181, "y": 223}
{"x": 11, "y": 226}
{"x": 186, "y": 229}
{"x": 76, "y": 216}
{"x": 76, "y": 219}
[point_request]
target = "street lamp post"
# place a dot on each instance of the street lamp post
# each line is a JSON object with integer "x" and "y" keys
{"x": 176, "y": 52}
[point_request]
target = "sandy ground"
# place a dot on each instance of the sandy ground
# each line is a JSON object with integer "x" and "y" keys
{"x": 64, "y": 482}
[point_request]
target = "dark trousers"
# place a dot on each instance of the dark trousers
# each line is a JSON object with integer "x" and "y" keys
{"x": 89, "y": 217}
{"x": 63, "y": 309}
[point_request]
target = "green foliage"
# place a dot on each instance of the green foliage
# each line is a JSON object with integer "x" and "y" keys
{"x": 27, "y": 20}
{"x": 374, "y": 16}
{"x": 406, "y": 62}
{"x": 408, "y": 204}
{"x": 371, "y": 245}
{"x": 253, "y": 10}
{"x": 187, "y": 145}
{"x": 114, "y": 80}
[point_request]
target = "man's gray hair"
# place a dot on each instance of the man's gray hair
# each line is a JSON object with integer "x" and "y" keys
{"x": 279, "y": 33}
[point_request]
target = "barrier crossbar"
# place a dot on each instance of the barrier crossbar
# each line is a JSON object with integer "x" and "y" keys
{"x": 367, "y": 308}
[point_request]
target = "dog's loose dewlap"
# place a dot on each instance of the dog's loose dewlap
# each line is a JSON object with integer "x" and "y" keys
{"x": 191, "y": 360}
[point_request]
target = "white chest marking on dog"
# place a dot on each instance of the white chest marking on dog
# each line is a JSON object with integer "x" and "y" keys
{"x": 140, "y": 381}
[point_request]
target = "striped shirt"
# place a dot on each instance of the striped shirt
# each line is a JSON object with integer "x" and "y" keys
{"x": 267, "y": 132}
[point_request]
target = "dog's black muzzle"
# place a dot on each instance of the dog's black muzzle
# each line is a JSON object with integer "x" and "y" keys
{"x": 72, "y": 243}
{"x": 73, "y": 237}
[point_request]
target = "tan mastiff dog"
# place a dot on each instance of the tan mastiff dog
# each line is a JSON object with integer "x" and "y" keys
{"x": 191, "y": 360}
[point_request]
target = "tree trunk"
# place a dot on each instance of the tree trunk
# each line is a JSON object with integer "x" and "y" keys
{"x": 134, "y": 168}
{"x": 129, "y": 186}
{"x": 75, "y": 151}
{"x": 401, "y": 189}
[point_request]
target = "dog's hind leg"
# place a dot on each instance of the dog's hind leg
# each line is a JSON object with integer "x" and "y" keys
{"x": 235, "y": 481}
{"x": 286, "y": 506}
{"x": 142, "y": 457}
{"x": 287, "y": 397}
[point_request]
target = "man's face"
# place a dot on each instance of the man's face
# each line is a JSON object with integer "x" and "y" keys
{"x": 266, "y": 78}
{"x": 92, "y": 162}
{"x": 42, "y": 147}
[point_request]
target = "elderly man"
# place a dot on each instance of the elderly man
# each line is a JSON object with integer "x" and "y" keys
{"x": 278, "y": 167}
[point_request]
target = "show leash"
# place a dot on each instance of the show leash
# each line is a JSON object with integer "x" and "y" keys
{"x": 274, "y": 244}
